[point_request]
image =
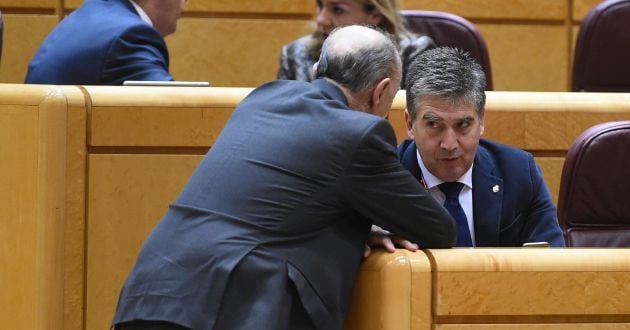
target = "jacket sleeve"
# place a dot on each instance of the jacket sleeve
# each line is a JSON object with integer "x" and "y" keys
{"x": 139, "y": 53}
{"x": 378, "y": 187}
{"x": 542, "y": 220}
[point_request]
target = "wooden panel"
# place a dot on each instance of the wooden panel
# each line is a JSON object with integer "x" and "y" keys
{"x": 303, "y": 7}
{"x": 391, "y": 279}
{"x": 165, "y": 117}
{"x": 22, "y": 36}
{"x": 72, "y": 4}
{"x": 231, "y": 52}
{"x": 306, "y": 7}
{"x": 549, "y": 326}
{"x": 32, "y": 147}
{"x": 552, "y": 173}
{"x": 575, "y": 30}
{"x": 29, "y": 4}
{"x": 549, "y": 121}
{"x": 528, "y": 57}
{"x": 496, "y": 9}
{"x": 526, "y": 282}
{"x": 18, "y": 223}
{"x": 128, "y": 194}
{"x": 581, "y": 8}
{"x": 195, "y": 116}
{"x": 74, "y": 238}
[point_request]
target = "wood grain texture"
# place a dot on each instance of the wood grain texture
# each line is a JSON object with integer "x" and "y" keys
{"x": 161, "y": 116}
{"x": 552, "y": 173}
{"x": 304, "y": 7}
{"x": 231, "y": 52}
{"x": 528, "y": 57}
{"x": 581, "y": 8}
{"x": 127, "y": 196}
{"x": 74, "y": 236}
{"x": 531, "y": 281}
{"x": 30, "y": 4}
{"x": 22, "y": 36}
{"x": 32, "y": 146}
{"x": 400, "y": 276}
{"x": 496, "y": 9}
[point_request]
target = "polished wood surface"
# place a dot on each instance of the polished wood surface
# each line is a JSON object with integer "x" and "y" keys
{"x": 127, "y": 196}
{"x": 194, "y": 116}
{"x": 387, "y": 305}
{"x": 35, "y": 182}
{"x": 538, "y": 285}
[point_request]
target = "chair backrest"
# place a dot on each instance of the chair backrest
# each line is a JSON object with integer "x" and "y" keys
{"x": 451, "y": 30}
{"x": 594, "y": 200}
{"x": 602, "y": 51}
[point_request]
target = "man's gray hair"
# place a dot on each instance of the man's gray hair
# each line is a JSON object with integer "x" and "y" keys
{"x": 448, "y": 73}
{"x": 360, "y": 67}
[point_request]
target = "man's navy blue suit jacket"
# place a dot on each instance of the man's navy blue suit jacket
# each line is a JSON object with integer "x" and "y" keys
{"x": 103, "y": 42}
{"x": 520, "y": 211}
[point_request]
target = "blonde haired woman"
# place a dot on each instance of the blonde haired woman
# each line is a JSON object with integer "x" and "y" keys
{"x": 298, "y": 57}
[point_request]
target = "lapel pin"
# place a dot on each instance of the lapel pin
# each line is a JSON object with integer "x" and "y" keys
{"x": 495, "y": 188}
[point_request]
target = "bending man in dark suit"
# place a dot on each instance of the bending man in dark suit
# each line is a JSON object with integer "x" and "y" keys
{"x": 503, "y": 194}
{"x": 105, "y": 42}
{"x": 270, "y": 230}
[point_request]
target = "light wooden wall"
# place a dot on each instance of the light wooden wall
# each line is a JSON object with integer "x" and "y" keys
{"x": 237, "y": 43}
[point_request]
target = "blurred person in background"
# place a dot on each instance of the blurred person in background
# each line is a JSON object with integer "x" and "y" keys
{"x": 106, "y": 42}
{"x": 298, "y": 57}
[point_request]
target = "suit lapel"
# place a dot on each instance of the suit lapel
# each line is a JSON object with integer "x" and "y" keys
{"x": 408, "y": 158}
{"x": 487, "y": 199}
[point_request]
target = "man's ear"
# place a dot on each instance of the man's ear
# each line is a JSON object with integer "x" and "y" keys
{"x": 379, "y": 94}
{"x": 409, "y": 124}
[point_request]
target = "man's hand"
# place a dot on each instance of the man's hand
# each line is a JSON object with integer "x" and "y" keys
{"x": 382, "y": 238}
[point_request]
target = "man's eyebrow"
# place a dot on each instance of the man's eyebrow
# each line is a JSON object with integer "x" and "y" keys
{"x": 467, "y": 119}
{"x": 431, "y": 116}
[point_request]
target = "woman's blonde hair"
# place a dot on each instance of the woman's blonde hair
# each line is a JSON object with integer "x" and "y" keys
{"x": 392, "y": 22}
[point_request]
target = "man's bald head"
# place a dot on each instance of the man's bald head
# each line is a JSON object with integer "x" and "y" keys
{"x": 358, "y": 57}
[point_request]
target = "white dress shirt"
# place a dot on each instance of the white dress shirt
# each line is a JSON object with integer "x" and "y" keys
{"x": 142, "y": 13}
{"x": 465, "y": 196}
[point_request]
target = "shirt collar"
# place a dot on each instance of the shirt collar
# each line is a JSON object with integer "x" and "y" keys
{"x": 142, "y": 13}
{"x": 432, "y": 181}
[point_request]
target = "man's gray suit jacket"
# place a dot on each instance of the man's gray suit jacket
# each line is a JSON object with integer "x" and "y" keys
{"x": 279, "y": 211}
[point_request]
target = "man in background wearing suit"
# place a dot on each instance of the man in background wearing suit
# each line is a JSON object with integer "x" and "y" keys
{"x": 105, "y": 42}
{"x": 269, "y": 231}
{"x": 496, "y": 193}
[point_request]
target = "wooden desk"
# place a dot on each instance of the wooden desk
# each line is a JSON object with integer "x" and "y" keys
{"x": 531, "y": 288}
{"x": 88, "y": 171}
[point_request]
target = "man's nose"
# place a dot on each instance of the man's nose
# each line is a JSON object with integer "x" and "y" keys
{"x": 449, "y": 140}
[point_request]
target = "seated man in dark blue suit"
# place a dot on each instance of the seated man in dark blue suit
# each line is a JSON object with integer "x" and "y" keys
{"x": 496, "y": 193}
{"x": 270, "y": 230}
{"x": 105, "y": 42}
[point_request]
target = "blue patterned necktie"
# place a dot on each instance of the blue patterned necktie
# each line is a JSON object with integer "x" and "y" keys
{"x": 451, "y": 190}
